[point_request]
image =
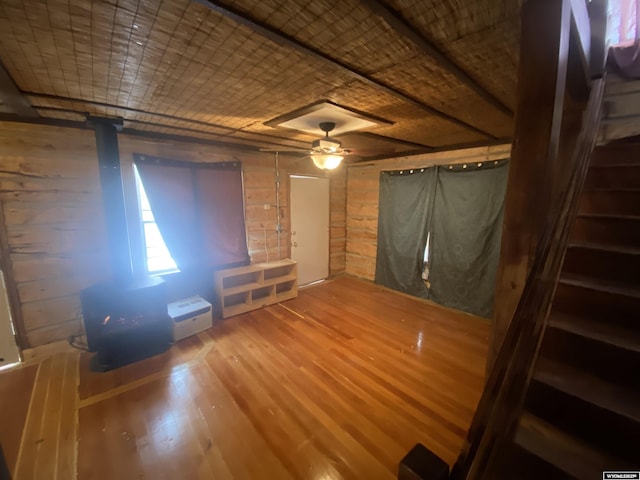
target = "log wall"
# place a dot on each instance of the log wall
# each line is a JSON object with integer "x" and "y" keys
{"x": 363, "y": 183}
{"x": 52, "y": 207}
{"x": 54, "y": 224}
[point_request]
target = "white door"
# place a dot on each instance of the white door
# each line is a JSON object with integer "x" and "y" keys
{"x": 9, "y": 352}
{"x": 310, "y": 227}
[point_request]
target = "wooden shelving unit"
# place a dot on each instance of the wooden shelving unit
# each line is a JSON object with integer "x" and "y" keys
{"x": 243, "y": 289}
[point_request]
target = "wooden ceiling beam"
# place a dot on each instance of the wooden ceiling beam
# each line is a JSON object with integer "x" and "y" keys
{"x": 228, "y": 134}
{"x": 447, "y": 148}
{"x": 398, "y": 24}
{"x": 384, "y": 138}
{"x": 287, "y": 41}
{"x": 46, "y": 96}
{"x": 55, "y": 122}
{"x": 12, "y": 97}
{"x": 188, "y": 139}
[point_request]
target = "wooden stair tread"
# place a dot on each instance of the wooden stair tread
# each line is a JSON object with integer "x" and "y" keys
{"x": 597, "y": 330}
{"x": 600, "y": 285}
{"x": 578, "y": 383}
{"x": 609, "y": 216}
{"x": 571, "y": 455}
{"x": 615, "y": 165}
{"x": 607, "y": 247}
{"x": 613, "y": 190}
{"x": 631, "y": 164}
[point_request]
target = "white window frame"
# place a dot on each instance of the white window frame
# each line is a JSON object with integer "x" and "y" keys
{"x": 146, "y": 218}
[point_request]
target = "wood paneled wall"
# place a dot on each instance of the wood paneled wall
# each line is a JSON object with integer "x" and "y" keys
{"x": 50, "y": 193}
{"x": 54, "y": 223}
{"x": 363, "y": 182}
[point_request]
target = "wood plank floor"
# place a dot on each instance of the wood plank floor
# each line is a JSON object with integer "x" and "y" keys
{"x": 338, "y": 383}
{"x": 16, "y": 387}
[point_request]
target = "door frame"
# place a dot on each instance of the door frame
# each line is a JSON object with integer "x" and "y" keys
{"x": 15, "y": 307}
{"x": 310, "y": 175}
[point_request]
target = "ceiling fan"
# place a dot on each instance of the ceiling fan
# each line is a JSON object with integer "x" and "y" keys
{"x": 327, "y": 152}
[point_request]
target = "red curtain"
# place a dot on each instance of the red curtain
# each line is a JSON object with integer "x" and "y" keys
{"x": 222, "y": 215}
{"x": 199, "y": 210}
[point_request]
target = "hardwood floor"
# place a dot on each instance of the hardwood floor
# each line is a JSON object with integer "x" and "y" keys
{"x": 15, "y": 393}
{"x": 338, "y": 383}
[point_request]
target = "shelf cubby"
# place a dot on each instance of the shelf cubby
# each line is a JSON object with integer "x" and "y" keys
{"x": 233, "y": 299}
{"x": 242, "y": 278}
{"x": 247, "y": 288}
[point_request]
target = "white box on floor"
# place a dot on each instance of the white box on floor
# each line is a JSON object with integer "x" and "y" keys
{"x": 190, "y": 316}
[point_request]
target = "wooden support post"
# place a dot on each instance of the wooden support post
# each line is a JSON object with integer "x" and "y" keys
{"x": 542, "y": 79}
{"x": 113, "y": 195}
{"x": 598, "y": 17}
{"x": 6, "y": 265}
{"x": 4, "y": 468}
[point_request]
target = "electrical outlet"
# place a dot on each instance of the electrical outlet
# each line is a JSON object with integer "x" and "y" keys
{"x": 267, "y": 206}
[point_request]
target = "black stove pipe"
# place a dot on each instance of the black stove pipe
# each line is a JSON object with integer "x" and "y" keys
{"x": 106, "y": 131}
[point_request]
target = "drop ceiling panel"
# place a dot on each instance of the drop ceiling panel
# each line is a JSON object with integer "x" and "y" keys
{"x": 308, "y": 120}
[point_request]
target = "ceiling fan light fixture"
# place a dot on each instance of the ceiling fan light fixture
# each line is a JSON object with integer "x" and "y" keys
{"x": 326, "y": 145}
{"x": 326, "y": 161}
{"x": 327, "y": 151}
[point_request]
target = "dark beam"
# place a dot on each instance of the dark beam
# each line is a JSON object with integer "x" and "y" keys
{"x": 188, "y": 139}
{"x": 230, "y": 131}
{"x": 12, "y": 97}
{"x": 56, "y": 122}
{"x": 462, "y": 146}
{"x": 183, "y": 129}
{"x": 287, "y": 41}
{"x": 399, "y": 141}
{"x": 387, "y": 156}
{"x": 405, "y": 30}
{"x": 447, "y": 148}
{"x": 56, "y": 98}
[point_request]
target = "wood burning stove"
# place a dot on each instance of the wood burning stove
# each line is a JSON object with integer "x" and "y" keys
{"x": 126, "y": 321}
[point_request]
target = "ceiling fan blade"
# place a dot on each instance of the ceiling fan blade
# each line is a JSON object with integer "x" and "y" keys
{"x": 300, "y": 151}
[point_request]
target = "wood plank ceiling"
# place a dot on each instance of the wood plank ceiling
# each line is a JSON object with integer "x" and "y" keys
{"x": 443, "y": 73}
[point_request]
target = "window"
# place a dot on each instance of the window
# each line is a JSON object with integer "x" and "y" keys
{"x": 198, "y": 209}
{"x": 622, "y": 28}
{"x": 158, "y": 260}
{"x": 425, "y": 262}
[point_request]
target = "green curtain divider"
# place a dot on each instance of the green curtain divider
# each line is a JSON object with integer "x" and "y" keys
{"x": 403, "y": 221}
{"x": 462, "y": 207}
{"x": 466, "y": 233}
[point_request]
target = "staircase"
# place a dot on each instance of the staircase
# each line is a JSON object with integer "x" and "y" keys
{"x": 562, "y": 399}
{"x": 579, "y": 413}
{"x": 582, "y": 410}
{"x": 575, "y": 411}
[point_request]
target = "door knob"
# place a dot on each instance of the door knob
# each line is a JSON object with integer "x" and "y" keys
{"x": 295, "y": 244}
{"x": 293, "y": 233}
